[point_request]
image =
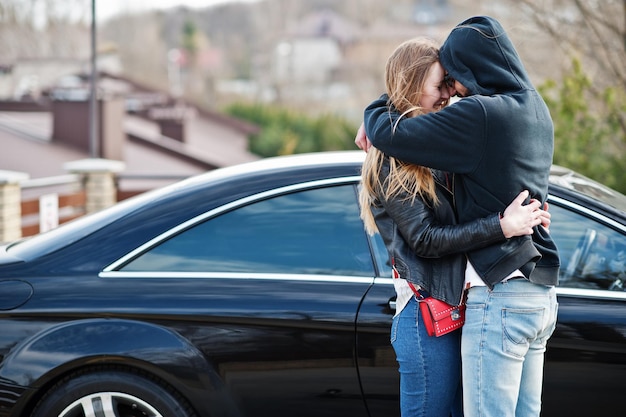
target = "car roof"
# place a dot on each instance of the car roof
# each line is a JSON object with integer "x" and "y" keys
{"x": 300, "y": 168}
{"x": 586, "y": 188}
{"x": 250, "y": 178}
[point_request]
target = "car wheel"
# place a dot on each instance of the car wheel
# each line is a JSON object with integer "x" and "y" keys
{"x": 111, "y": 393}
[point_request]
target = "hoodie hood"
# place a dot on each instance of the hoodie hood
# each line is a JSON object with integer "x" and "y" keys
{"x": 479, "y": 54}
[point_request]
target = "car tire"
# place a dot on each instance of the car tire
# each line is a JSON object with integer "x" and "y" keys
{"x": 122, "y": 393}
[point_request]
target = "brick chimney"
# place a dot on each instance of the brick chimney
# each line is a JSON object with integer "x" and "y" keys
{"x": 71, "y": 125}
{"x": 172, "y": 120}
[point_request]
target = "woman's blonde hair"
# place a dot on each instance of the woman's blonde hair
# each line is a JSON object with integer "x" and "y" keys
{"x": 405, "y": 78}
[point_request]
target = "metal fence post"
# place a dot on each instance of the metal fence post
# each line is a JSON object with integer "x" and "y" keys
{"x": 10, "y": 205}
{"x": 99, "y": 178}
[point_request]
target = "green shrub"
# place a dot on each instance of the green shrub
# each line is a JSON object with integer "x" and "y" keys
{"x": 284, "y": 131}
{"x": 589, "y": 127}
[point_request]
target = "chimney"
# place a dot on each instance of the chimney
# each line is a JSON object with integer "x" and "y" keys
{"x": 172, "y": 120}
{"x": 71, "y": 125}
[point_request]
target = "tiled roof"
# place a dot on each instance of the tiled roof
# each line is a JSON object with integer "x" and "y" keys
{"x": 27, "y": 147}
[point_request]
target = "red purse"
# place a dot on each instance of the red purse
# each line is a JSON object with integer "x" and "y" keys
{"x": 439, "y": 317}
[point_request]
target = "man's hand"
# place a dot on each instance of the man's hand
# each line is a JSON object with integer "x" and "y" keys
{"x": 519, "y": 219}
{"x": 544, "y": 216}
{"x": 361, "y": 139}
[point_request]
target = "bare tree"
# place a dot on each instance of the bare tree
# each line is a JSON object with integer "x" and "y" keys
{"x": 595, "y": 30}
{"x": 139, "y": 42}
{"x": 44, "y": 28}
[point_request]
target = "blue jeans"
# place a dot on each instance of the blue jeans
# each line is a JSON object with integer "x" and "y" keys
{"x": 503, "y": 345}
{"x": 430, "y": 369}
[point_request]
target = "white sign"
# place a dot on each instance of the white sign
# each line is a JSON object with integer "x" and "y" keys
{"x": 48, "y": 212}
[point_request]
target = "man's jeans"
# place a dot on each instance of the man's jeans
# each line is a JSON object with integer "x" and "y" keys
{"x": 430, "y": 369}
{"x": 503, "y": 344}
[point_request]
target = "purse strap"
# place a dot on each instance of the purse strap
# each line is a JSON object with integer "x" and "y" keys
{"x": 419, "y": 294}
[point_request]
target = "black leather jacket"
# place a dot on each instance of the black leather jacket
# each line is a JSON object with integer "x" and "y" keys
{"x": 426, "y": 245}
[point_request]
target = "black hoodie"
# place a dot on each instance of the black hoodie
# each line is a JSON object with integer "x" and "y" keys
{"x": 499, "y": 138}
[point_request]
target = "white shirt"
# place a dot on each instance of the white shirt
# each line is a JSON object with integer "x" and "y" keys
{"x": 472, "y": 279}
{"x": 403, "y": 292}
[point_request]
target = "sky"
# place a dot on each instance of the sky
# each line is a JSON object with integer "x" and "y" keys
{"x": 108, "y": 8}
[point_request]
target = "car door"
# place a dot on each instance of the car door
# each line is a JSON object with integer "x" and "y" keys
{"x": 376, "y": 359}
{"x": 268, "y": 289}
{"x": 586, "y": 356}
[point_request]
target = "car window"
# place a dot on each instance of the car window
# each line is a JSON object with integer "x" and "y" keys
{"x": 382, "y": 256}
{"x": 593, "y": 255}
{"x": 317, "y": 231}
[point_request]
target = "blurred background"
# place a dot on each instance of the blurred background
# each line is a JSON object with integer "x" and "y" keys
{"x": 212, "y": 84}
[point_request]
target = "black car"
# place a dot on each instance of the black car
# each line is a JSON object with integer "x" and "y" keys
{"x": 255, "y": 291}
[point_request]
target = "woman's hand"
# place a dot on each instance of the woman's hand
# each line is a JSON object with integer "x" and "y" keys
{"x": 361, "y": 139}
{"x": 519, "y": 219}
